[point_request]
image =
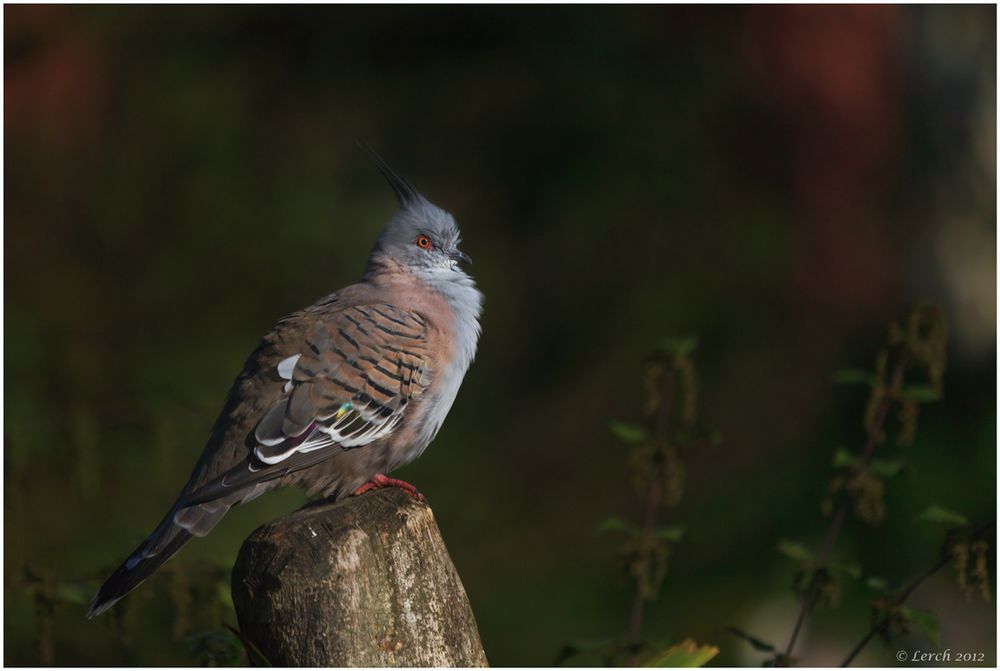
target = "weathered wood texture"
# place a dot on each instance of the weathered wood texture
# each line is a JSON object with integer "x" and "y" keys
{"x": 366, "y": 581}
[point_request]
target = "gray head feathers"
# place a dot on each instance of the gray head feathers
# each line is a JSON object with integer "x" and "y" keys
{"x": 421, "y": 236}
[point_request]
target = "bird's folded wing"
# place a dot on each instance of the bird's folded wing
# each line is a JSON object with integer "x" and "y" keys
{"x": 357, "y": 373}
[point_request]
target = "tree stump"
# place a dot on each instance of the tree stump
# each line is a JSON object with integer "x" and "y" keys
{"x": 366, "y": 581}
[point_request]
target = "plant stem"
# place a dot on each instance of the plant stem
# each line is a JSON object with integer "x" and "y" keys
{"x": 638, "y": 601}
{"x": 653, "y": 498}
{"x": 837, "y": 522}
{"x": 884, "y": 622}
{"x": 943, "y": 560}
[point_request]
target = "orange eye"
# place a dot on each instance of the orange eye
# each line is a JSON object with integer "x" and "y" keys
{"x": 423, "y": 242}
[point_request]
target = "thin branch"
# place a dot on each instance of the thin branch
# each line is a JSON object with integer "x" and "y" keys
{"x": 837, "y": 523}
{"x": 831, "y": 535}
{"x": 653, "y": 499}
{"x": 943, "y": 560}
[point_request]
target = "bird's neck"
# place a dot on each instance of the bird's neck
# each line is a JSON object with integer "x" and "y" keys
{"x": 453, "y": 284}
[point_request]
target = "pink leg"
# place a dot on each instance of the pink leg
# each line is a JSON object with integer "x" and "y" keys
{"x": 380, "y": 480}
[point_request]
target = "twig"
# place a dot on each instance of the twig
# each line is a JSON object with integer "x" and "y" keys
{"x": 837, "y": 523}
{"x": 943, "y": 560}
{"x": 653, "y": 498}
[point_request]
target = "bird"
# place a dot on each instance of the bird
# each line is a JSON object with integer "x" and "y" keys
{"x": 340, "y": 393}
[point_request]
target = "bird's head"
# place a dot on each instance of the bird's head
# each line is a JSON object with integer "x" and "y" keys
{"x": 420, "y": 237}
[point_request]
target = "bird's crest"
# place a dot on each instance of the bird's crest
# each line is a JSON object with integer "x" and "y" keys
{"x": 405, "y": 193}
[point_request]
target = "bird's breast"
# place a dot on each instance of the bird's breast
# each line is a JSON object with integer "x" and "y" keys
{"x": 453, "y": 335}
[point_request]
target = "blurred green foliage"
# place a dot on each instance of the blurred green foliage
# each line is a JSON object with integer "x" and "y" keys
{"x": 686, "y": 654}
{"x": 917, "y": 349}
{"x": 781, "y": 181}
{"x": 655, "y": 459}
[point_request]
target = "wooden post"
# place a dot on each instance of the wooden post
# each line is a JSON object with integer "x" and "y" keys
{"x": 366, "y": 581}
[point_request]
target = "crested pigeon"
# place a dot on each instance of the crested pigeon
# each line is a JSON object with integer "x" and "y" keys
{"x": 337, "y": 394}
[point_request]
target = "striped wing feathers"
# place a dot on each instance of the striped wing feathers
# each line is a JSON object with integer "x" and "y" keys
{"x": 351, "y": 383}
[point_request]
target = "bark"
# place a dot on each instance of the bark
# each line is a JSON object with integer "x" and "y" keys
{"x": 366, "y": 581}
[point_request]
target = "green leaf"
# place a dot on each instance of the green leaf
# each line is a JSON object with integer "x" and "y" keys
{"x": 886, "y": 468}
{"x": 941, "y": 515}
{"x": 921, "y": 393}
{"x": 224, "y": 594}
{"x": 618, "y": 524}
{"x": 632, "y": 434}
{"x": 672, "y": 533}
{"x": 877, "y": 584}
{"x": 681, "y": 346}
{"x": 74, "y": 592}
{"x": 794, "y": 550}
{"x": 855, "y": 376}
{"x": 853, "y": 569}
{"x": 926, "y": 620}
{"x": 844, "y": 457}
{"x": 687, "y": 654}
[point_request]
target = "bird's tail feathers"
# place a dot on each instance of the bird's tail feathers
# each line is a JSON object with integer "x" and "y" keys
{"x": 179, "y": 526}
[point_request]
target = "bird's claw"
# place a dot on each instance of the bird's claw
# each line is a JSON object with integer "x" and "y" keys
{"x": 380, "y": 480}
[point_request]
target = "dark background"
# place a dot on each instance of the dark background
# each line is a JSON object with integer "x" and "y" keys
{"x": 781, "y": 182}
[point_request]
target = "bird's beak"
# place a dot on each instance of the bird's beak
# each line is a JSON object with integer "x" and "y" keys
{"x": 458, "y": 255}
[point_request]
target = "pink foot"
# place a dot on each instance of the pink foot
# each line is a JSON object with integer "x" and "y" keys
{"x": 380, "y": 480}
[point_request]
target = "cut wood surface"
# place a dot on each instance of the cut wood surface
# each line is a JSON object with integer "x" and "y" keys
{"x": 366, "y": 581}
